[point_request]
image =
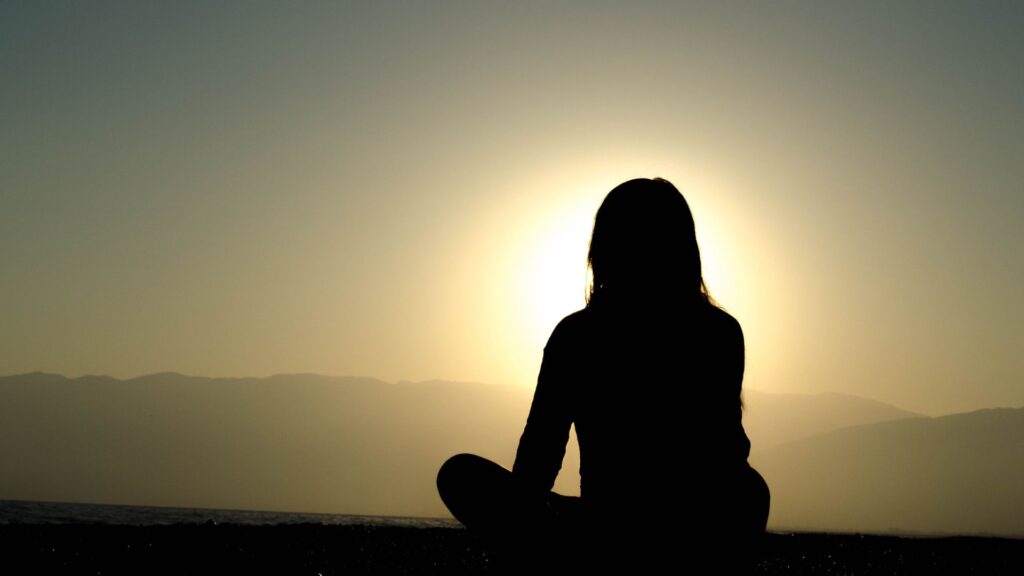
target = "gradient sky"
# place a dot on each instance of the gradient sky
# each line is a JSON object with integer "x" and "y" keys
{"x": 406, "y": 191}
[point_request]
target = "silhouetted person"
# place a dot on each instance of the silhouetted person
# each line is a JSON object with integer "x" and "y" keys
{"x": 650, "y": 372}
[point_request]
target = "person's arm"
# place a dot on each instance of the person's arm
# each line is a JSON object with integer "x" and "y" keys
{"x": 542, "y": 444}
{"x": 734, "y": 367}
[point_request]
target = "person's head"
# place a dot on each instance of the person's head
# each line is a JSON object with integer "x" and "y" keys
{"x": 644, "y": 247}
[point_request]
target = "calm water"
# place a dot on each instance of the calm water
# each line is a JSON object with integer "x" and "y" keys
{"x": 24, "y": 512}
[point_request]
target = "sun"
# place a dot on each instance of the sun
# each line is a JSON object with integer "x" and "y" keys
{"x": 554, "y": 267}
{"x": 537, "y": 252}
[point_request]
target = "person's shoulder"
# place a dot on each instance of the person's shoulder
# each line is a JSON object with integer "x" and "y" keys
{"x": 571, "y": 326}
{"x": 724, "y": 324}
{"x": 574, "y": 321}
{"x": 721, "y": 316}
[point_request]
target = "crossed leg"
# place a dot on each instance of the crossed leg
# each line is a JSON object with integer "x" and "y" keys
{"x": 520, "y": 525}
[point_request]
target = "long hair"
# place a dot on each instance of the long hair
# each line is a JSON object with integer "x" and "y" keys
{"x": 644, "y": 247}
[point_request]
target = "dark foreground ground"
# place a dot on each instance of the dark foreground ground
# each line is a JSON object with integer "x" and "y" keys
{"x": 326, "y": 549}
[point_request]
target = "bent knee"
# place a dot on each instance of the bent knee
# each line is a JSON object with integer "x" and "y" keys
{"x": 453, "y": 468}
{"x": 762, "y": 497}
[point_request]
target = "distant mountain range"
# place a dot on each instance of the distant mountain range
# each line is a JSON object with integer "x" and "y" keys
{"x": 771, "y": 419}
{"x": 961, "y": 473}
{"x": 352, "y": 445}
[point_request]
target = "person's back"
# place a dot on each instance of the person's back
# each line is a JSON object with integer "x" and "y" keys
{"x": 654, "y": 393}
{"x": 650, "y": 372}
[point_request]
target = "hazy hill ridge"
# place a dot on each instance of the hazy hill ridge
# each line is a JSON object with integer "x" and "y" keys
{"x": 959, "y": 473}
{"x": 773, "y": 418}
{"x": 356, "y": 445}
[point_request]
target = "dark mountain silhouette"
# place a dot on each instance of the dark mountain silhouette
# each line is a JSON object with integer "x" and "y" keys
{"x": 960, "y": 473}
{"x": 362, "y": 446}
{"x": 772, "y": 418}
{"x": 289, "y": 442}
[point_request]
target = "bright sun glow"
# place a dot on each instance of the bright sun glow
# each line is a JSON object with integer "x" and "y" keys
{"x": 554, "y": 270}
{"x": 540, "y": 252}
{"x": 554, "y": 267}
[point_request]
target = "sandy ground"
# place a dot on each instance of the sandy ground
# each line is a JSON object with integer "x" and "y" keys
{"x": 318, "y": 549}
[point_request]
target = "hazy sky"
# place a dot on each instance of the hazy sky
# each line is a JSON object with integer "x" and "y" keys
{"x": 406, "y": 190}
